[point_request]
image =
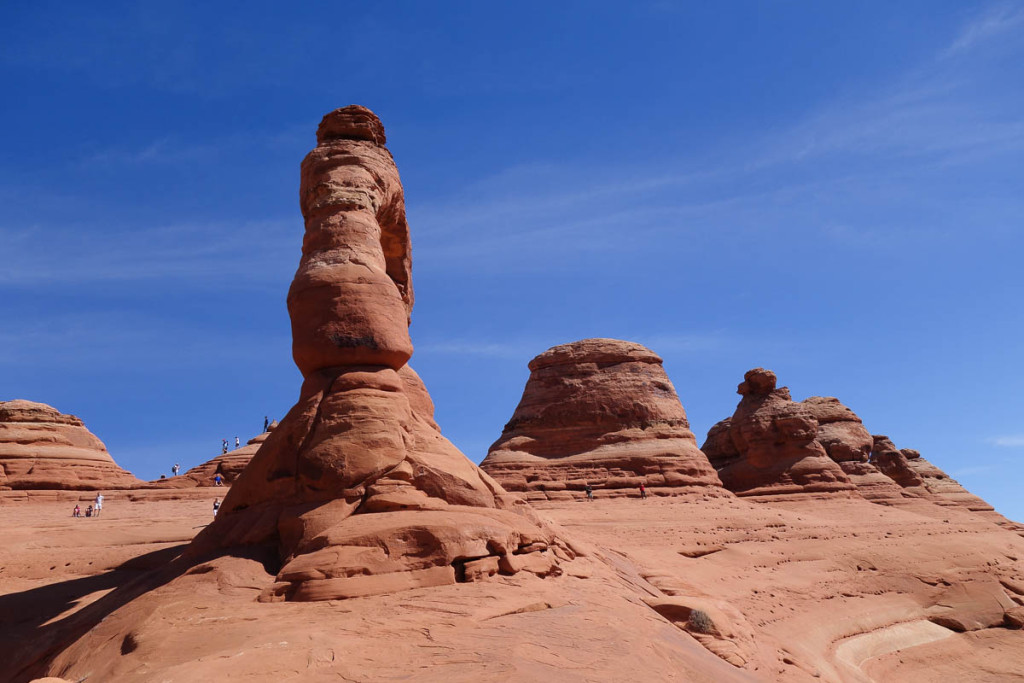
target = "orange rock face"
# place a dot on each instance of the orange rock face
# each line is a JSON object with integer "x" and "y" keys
{"x": 42, "y": 448}
{"x": 357, "y": 488}
{"x": 769, "y": 446}
{"x": 600, "y": 412}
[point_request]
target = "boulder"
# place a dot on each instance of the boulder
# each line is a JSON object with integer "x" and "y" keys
{"x": 44, "y": 449}
{"x": 357, "y": 490}
{"x": 770, "y": 445}
{"x": 600, "y": 412}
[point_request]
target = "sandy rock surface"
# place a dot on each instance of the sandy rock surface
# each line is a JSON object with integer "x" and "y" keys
{"x": 42, "y": 448}
{"x": 600, "y": 412}
{"x": 796, "y": 588}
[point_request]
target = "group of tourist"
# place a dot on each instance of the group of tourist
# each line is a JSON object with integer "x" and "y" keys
{"x": 93, "y": 510}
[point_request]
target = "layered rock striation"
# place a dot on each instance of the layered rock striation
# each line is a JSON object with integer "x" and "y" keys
{"x": 357, "y": 490}
{"x": 599, "y": 412}
{"x": 843, "y": 436}
{"x": 769, "y": 446}
{"x": 44, "y": 449}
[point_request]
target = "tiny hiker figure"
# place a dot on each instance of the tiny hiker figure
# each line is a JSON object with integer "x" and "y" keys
{"x": 174, "y": 470}
{"x": 266, "y": 423}
{"x": 99, "y": 504}
{"x": 643, "y": 491}
{"x": 216, "y": 506}
{"x": 237, "y": 442}
{"x": 590, "y": 492}
{"x": 218, "y": 480}
{"x": 223, "y": 445}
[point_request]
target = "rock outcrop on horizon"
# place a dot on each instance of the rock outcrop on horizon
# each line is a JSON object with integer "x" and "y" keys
{"x": 44, "y": 449}
{"x": 229, "y": 465}
{"x": 849, "y": 443}
{"x": 600, "y": 412}
{"x": 357, "y": 489}
{"x": 915, "y": 473}
{"x": 769, "y": 446}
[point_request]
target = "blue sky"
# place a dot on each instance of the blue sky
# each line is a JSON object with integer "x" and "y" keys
{"x": 830, "y": 190}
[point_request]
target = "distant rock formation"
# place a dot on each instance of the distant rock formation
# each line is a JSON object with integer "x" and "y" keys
{"x": 357, "y": 489}
{"x": 769, "y": 446}
{"x": 44, "y": 449}
{"x": 848, "y": 442}
{"x": 915, "y": 473}
{"x": 600, "y": 412}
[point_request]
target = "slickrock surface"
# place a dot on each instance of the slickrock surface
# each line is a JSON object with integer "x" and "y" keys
{"x": 789, "y": 588}
{"x": 844, "y": 437}
{"x": 42, "y": 448}
{"x": 603, "y": 412}
{"x": 769, "y": 446}
{"x": 357, "y": 491}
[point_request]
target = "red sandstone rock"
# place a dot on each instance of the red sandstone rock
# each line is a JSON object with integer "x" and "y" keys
{"x": 848, "y": 442}
{"x": 772, "y": 445}
{"x": 229, "y": 465}
{"x": 357, "y": 489}
{"x": 42, "y": 448}
{"x": 600, "y": 412}
{"x": 912, "y": 471}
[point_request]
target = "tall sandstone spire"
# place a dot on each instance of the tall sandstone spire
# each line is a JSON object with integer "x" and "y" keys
{"x": 357, "y": 488}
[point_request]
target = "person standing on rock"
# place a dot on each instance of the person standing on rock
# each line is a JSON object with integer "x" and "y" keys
{"x": 266, "y": 423}
{"x": 223, "y": 445}
{"x": 237, "y": 442}
{"x": 643, "y": 491}
{"x": 590, "y": 492}
{"x": 174, "y": 470}
{"x": 216, "y": 506}
{"x": 98, "y": 505}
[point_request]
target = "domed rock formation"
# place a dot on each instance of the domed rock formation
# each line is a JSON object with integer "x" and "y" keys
{"x": 769, "y": 446}
{"x": 42, "y": 448}
{"x": 600, "y": 412}
{"x": 357, "y": 489}
{"x": 848, "y": 442}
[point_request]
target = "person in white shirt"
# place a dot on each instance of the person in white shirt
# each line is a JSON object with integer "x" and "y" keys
{"x": 98, "y": 505}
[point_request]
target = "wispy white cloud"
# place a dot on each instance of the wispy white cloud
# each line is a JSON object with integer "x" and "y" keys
{"x": 1010, "y": 441}
{"x": 995, "y": 21}
{"x": 245, "y": 252}
{"x": 120, "y": 339}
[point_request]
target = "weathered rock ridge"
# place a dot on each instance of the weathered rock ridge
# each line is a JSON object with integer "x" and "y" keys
{"x": 769, "y": 446}
{"x": 914, "y": 473}
{"x": 229, "y": 465}
{"x": 600, "y": 412}
{"x": 843, "y": 436}
{"x": 357, "y": 488}
{"x": 42, "y": 448}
